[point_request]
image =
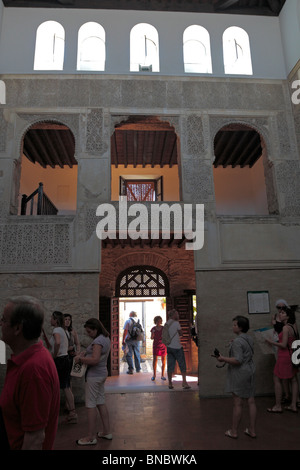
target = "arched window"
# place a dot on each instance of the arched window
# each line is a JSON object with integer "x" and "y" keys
{"x": 2, "y": 92}
{"x": 196, "y": 50}
{"x": 91, "y": 47}
{"x": 142, "y": 281}
{"x": 236, "y": 51}
{"x": 144, "y": 52}
{"x": 49, "y": 46}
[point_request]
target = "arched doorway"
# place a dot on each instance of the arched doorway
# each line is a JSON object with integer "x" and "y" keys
{"x": 148, "y": 287}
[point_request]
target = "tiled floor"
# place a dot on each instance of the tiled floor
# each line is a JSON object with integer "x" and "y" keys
{"x": 147, "y": 416}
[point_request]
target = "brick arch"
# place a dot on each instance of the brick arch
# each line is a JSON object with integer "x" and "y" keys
{"x": 115, "y": 265}
{"x": 143, "y": 258}
{"x": 176, "y": 263}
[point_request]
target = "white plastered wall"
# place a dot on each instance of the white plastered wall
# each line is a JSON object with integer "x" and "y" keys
{"x": 17, "y": 41}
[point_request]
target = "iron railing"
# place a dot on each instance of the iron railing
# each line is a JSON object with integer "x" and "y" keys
{"x": 44, "y": 205}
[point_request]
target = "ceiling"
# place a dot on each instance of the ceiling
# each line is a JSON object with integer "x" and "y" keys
{"x": 243, "y": 7}
{"x": 50, "y": 145}
{"x": 143, "y": 141}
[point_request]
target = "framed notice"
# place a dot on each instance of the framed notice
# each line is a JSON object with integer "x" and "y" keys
{"x": 258, "y": 302}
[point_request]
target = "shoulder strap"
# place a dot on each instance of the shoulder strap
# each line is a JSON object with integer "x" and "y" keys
{"x": 295, "y": 332}
{"x": 247, "y": 343}
{"x": 175, "y": 331}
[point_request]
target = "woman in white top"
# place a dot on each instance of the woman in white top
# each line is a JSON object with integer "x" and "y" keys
{"x": 59, "y": 344}
{"x": 95, "y": 357}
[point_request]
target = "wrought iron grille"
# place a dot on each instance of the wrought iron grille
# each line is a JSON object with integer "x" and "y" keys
{"x": 142, "y": 281}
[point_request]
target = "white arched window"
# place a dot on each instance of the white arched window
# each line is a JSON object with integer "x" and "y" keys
{"x": 236, "y": 52}
{"x": 2, "y": 92}
{"x": 196, "y": 50}
{"x": 91, "y": 47}
{"x": 49, "y": 46}
{"x": 144, "y": 52}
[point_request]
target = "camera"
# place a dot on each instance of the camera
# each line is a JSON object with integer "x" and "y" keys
{"x": 216, "y": 352}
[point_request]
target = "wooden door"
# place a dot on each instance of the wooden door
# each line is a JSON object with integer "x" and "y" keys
{"x": 104, "y": 317}
{"x": 114, "y": 336}
{"x": 183, "y": 305}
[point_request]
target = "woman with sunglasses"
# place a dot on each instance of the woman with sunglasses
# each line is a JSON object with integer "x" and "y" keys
{"x": 284, "y": 369}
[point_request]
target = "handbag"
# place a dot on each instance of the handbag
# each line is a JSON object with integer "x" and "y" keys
{"x": 78, "y": 370}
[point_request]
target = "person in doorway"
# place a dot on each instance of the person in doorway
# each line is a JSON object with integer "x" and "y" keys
{"x": 159, "y": 349}
{"x": 132, "y": 344}
{"x": 95, "y": 357}
{"x": 240, "y": 376}
{"x": 59, "y": 343}
{"x": 284, "y": 369}
{"x": 30, "y": 397}
{"x": 175, "y": 351}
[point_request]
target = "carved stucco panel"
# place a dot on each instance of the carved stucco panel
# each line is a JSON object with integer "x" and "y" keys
{"x": 192, "y": 137}
{"x": 288, "y": 177}
{"x": 35, "y": 244}
{"x": 95, "y": 143}
{"x": 197, "y": 181}
{"x": 287, "y": 147}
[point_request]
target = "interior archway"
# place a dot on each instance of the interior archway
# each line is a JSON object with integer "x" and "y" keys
{"x": 241, "y": 177}
{"x": 48, "y": 157}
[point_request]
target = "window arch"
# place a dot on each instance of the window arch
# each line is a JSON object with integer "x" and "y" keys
{"x": 91, "y": 47}
{"x": 236, "y": 51}
{"x": 2, "y": 92}
{"x": 196, "y": 50}
{"x": 144, "y": 49}
{"x": 142, "y": 281}
{"x": 49, "y": 46}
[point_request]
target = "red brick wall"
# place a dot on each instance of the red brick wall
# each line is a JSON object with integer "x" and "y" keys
{"x": 176, "y": 263}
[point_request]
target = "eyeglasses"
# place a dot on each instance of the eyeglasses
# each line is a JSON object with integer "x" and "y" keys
{"x": 281, "y": 308}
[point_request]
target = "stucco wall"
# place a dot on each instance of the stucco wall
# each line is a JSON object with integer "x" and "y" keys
{"x": 17, "y": 40}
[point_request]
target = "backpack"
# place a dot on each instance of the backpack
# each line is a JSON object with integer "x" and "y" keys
{"x": 136, "y": 331}
{"x": 165, "y": 336}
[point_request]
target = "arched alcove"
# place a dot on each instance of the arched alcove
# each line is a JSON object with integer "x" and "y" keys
{"x": 144, "y": 151}
{"x": 48, "y": 157}
{"x": 241, "y": 179}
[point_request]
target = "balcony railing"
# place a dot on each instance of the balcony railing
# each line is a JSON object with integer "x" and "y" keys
{"x": 42, "y": 204}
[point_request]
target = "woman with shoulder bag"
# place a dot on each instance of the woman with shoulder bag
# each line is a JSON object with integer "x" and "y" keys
{"x": 95, "y": 358}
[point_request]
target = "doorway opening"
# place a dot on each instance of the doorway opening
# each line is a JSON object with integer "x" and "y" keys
{"x": 146, "y": 309}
